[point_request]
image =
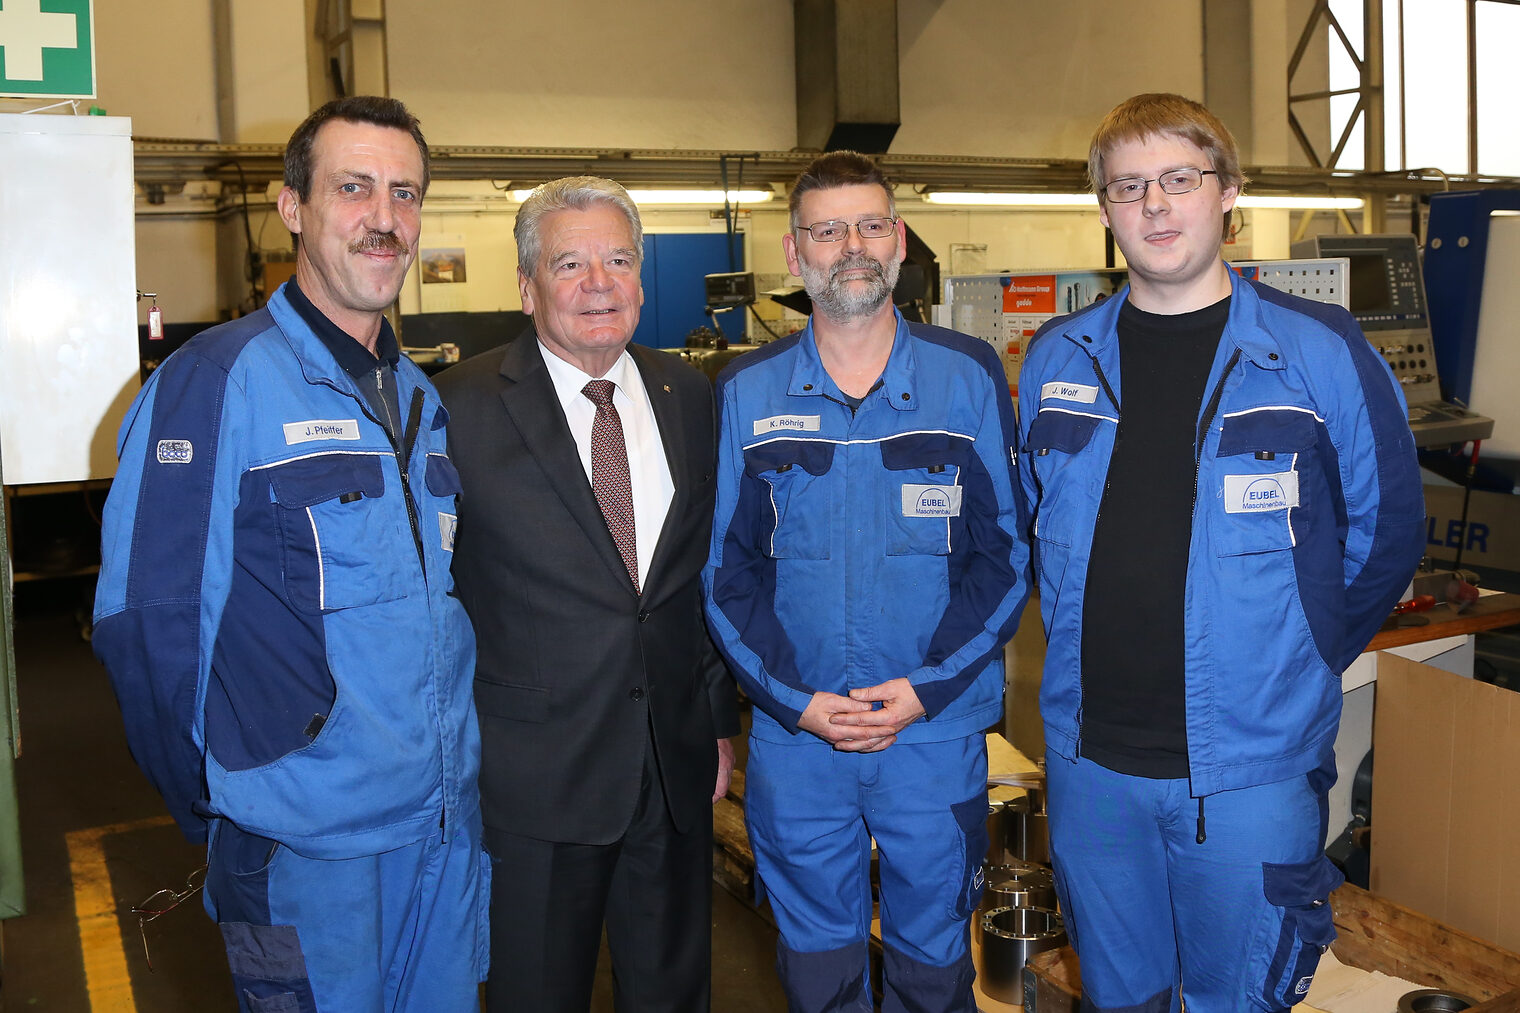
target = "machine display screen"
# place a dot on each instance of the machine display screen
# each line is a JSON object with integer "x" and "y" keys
{"x": 1368, "y": 282}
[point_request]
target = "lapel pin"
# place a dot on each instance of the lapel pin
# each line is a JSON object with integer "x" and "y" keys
{"x": 667, "y": 387}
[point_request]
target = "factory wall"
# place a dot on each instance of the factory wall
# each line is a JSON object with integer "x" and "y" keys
{"x": 977, "y": 77}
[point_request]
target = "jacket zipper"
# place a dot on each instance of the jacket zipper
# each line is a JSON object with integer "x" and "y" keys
{"x": 1204, "y": 425}
{"x": 403, "y": 453}
{"x": 1081, "y": 672}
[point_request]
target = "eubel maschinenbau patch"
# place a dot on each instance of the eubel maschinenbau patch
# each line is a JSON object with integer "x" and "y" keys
{"x": 1251, "y": 494}
{"x": 931, "y": 500}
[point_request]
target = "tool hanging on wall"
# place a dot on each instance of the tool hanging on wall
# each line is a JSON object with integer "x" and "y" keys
{"x": 155, "y": 316}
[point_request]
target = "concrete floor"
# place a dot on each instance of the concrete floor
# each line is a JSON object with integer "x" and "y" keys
{"x": 85, "y": 806}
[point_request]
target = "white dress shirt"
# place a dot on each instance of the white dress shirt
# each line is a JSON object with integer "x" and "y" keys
{"x": 648, "y": 471}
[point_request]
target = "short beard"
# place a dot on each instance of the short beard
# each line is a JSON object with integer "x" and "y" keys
{"x": 840, "y": 303}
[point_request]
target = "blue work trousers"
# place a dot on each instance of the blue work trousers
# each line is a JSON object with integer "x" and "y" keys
{"x": 812, "y": 812}
{"x": 1237, "y": 920}
{"x": 406, "y": 931}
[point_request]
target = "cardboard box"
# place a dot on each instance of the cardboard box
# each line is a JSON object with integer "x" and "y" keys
{"x": 1446, "y": 798}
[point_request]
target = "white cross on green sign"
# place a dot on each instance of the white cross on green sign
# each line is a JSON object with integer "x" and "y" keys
{"x": 47, "y": 48}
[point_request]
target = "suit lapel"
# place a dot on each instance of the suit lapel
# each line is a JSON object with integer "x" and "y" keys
{"x": 674, "y": 439}
{"x": 533, "y": 407}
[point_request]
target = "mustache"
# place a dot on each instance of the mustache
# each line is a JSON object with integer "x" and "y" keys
{"x": 858, "y": 262}
{"x": 386, "y": 241}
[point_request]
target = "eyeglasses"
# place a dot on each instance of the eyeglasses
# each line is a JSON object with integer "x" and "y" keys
{"x": 161, "y": 902}
{"x": 834, "y": 232}
{"x": 1132, "y": 188}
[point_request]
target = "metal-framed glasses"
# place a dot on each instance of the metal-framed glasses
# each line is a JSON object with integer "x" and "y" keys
{"x": 834, "y": 232}
{"x": 1132, "y": 188}
{"x": 161, "y": 902}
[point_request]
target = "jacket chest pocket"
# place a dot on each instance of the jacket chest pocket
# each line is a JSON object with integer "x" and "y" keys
{"x": 1059, "y": 450}
{"x": 795, "y": 477}
{"x": 343, "y": 543}
{"x": 922, "y": 498}
{"x": 1258, "y": 465}
{"x": 442, "y": 482}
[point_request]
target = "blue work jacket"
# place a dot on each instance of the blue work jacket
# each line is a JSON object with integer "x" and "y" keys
{"x": 274, "y": 602}
{"x": 850, "y": 548}
{"x": 1308, "y": 522}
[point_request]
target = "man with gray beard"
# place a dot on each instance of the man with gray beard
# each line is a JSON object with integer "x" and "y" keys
{"x": 865, "y": 570}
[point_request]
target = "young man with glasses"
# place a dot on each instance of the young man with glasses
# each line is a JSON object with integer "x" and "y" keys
{"x": 866, "y": 569}
{"x": 1225, "y": 506}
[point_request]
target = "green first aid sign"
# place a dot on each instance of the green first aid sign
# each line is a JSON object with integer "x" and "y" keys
{"x": 47, "y": 48}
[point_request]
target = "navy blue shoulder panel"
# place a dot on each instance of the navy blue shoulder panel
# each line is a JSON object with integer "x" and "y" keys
{"x": 1334, "y": 317}
{"x": 179, "y": 462}
{"x": 762, "y": 354}
{"x": 1059, "y": 323}
{"x": 975, "y": 348}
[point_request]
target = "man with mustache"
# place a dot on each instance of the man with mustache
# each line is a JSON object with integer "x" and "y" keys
{"x": 866, "y": 568}
{"x": 275, "y": 609}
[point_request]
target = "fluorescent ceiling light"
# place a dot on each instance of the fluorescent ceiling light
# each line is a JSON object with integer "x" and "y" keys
{"x": 710, "y": 197}
{"x": 1504, "y": 214}
{"x": 1087, "y": 200}
{"x": 1022, "y": 200}
{"x": 1301, "y": 203}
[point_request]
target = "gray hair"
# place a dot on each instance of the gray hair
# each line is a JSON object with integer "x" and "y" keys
{"x": 570, "y": 193}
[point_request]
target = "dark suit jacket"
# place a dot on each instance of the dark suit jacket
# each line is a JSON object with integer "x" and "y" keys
{"x": 574, "y": 667}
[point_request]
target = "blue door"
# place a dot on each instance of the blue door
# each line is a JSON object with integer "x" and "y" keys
{"x": 675, "y": 296}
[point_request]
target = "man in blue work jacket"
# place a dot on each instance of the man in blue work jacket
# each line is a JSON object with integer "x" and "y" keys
{"x": 1226, "y": 505}
{"x": 865, "y": 571}
{"x": 275, "y": 609}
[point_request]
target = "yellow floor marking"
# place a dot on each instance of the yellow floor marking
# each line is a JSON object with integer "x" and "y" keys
{"x": 96, "y": 910}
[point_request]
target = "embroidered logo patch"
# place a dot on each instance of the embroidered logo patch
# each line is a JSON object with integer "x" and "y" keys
{"x": 447, "y": 525}
{"x": 1302, "y": 987}
{"x": 1251, "y": 494}
{"x": 797, "y": 423}
{"x": 321, "y": 429}
{"x": 1079, "y": 392}
{"x": 175, "y": 452}
{"x": 931, "y": 500}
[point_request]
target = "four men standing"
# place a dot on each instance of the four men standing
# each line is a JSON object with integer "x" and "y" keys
{"x": 279, "y": 620}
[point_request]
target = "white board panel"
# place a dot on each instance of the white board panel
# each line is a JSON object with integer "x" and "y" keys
{"x": 68, "y": 318}
{"x": 1496, "y": 359}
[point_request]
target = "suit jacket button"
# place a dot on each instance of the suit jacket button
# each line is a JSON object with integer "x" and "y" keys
{"x": 636, "y": 693}
{"x": 643, "y": 615}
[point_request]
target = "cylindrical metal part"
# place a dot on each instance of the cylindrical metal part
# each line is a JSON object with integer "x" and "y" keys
{"x": 1010, "y": 936}
{"x": 1015, "y": 884}
{"x": 1001, "y": 817}
{"x": 1029, "y": 830}
{"x": 1435, "y": 1000}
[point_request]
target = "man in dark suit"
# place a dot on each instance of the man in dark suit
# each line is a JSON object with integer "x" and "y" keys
{"x": 587, "y": 466}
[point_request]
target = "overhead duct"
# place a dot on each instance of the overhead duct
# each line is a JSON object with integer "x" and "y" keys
{"x": 847, "y": 88}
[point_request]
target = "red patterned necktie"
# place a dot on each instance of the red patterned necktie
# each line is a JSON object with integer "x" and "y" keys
{"x": 609, "y": 473}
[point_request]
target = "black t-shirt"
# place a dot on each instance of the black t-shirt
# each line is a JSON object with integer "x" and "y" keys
{"x": 1133, "y": 709}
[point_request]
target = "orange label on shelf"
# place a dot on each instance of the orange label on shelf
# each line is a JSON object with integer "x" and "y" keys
{"x": 1030, "y": 293}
